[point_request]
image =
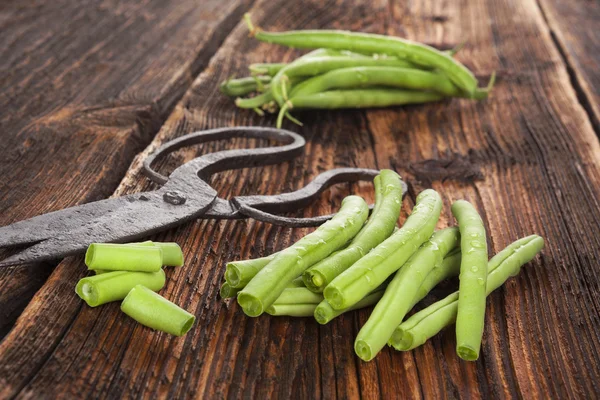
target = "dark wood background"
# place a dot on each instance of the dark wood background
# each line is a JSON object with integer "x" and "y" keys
{"x": 89, "y": 88}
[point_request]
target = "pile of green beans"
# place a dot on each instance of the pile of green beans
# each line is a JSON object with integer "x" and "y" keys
{"x": 134, "y": 273}
{"x": 351, "y": 70}
{"x": 345, "y": 265}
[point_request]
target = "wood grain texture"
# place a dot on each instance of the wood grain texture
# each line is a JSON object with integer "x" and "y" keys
{"x": 574, "y": 27}
{"x": 528, "y": 158}
{"x": 85, "y": 86}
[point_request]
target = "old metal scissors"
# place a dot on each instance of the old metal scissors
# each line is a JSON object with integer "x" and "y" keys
{"x": 184, "y": 196}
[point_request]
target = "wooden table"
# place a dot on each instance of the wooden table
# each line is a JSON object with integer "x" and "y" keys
{"x": 89, "y": 88}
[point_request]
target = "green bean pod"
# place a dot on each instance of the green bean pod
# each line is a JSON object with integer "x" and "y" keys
{"x": 239, "y": 273}
{"x": 450, "y": 267}
{"x": 372, "y": 270}
{"x": 154, "y": 311}
{"x": 324, "y": 313}
{"x": 397, "y": 299}
{"x": 381, "y": 223}
{"x": 227, "y": 292}
{"x": 321, "y": 65}
{"x": 425, "y": 324}
{"x": 256, "y": 101}
{"x": 243, "y": 86}
{"x": 124, "y": 257}
{"x": 357, "y": 98}
{"x": 360, "y": 77}
{"x": 472, "y": 280}
{"x": 368, "y": 43}
{"x": 112, "y": 286}
{"x": 269, "y": 282}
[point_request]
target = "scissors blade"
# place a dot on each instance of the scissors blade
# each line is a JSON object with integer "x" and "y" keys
{"x": 44, "y": 226}
{"x": 136, "y": 217}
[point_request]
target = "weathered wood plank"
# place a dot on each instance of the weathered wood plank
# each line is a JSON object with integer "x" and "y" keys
{"x": 84, "y": 86}
{"x": 528, "y": 157}
{"x": 574, "y": 27}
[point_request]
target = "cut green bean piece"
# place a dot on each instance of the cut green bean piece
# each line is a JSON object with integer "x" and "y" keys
{"x": 227, "y": 292}
{"x": 425, "y": 324}
{"x": 172, "y": 256}
{"x": 413, "y": 52}
{"x": 373, "y": 269}
{"x": 291, "y": 310}
{"x": 397, "y": 299}
{"x": 156, "y": 312}
{"x": 383, "y": 219}
{"x": 324, "y": 313}
{"x": 123, "y": 257}
{"x": 112, "y": 286}
{"x": 239, "y": 273}
{"x": 472, "y": 280}
{"x": 269, "y": 282}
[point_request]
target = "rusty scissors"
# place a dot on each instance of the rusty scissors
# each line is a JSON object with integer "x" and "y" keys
{"x": 185, "y": 195}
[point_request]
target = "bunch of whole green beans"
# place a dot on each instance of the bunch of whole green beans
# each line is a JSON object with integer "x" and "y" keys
{"x": 348, "y": 264}
{"x": 351, "y": 70}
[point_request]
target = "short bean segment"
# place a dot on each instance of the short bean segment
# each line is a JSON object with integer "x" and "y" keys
{"x": 426, "y": 323}
{"x": 397, "y": 300}
{"x": 416, "y": 53}
{"x": 358, "y": 98}
{"x": 269, "y": 282}
{"x": 472, "y": 280}
{"x": 373, "y": 269}
{"x": 388, "y": 201}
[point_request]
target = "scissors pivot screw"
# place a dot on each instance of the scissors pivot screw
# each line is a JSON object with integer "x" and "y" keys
{"x": 174, "y": 198}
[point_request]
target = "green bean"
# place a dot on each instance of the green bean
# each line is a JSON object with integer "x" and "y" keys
{"x": 268, "y": 69}
{"x": 267, "y": 285}
{"x": 156, "y": 312}
{"x": 416, "y": 53}
{"x": 358, "y": 98}
{"x": 243, "y": 86}
{"x": 397, "y": 299}
{"x": 172, "y": 256}
{"x": 324, "y": 313}
{"x": 295, "y": 302}
{"x": 123, "y": 257}
{"x": 256, "y": 101}
{"x": 450, "y": 267}
{"x": 227, "y": 292}
{"x": 425, "y": 324}
{"x": 239, "y": 273}
{"x": 383, "y": 219}
{"x": 321, "y": 65}
{"x": 112, "y": 286}
{"x": 385, "y": 259}
{"x": 358, "y": 77}
{"x": 472, "y": 280}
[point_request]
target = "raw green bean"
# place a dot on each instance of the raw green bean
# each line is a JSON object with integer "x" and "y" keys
{"x": 269, "y": 282}
{"x": 383, "y": 219}
{"x": 295, "y": 301}
{"x": 450, "y": 267}
{"x": 358, "y": 98}
{"x": 123, "y": 257}
{"x": 324, "y": 313}
{"x": 112, "y": 286}
{"x": 385, "y": 259}
{"x": 227, "y": 292}
{"x": 268, "y": 69}
{"x": 359, "y": 77}
{"x": 154, "y": 311}
{"x": 256, "y": 101}
{"x": 321, "y": 65}
{"x": 172, "y": 255}
{"x": 416, "y": 53}
{"x": 472, "y": 280}
{"x": 397, "y": 299}
{"x": 243, "y": 86}
{"x": 425, "y": 324}
{"x": 239, "y": 273}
